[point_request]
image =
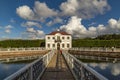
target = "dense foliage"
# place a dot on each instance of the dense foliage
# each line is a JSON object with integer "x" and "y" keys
{"x": 95, "y": 43}
{"x": 22, "y": 43}
{"x": 109, "y": 37}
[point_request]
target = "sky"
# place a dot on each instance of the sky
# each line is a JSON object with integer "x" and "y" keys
{"x": 32, "y": 19}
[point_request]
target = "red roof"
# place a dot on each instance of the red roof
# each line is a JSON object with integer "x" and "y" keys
{"x": 61, "y": 32}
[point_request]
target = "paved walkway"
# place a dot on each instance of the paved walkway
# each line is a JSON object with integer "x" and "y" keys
{"x": 57, "y": 69}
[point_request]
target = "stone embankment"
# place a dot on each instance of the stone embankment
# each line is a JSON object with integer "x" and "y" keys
{"x": 21, "y": 53}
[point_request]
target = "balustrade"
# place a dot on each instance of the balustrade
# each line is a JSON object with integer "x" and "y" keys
{"x": 34, "y": 70}
{"x": 22, "y": 49}
{"x": 80, "y": 70}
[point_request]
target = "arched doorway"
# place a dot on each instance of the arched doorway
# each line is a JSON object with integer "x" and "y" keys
{"x": 58, "y": 46}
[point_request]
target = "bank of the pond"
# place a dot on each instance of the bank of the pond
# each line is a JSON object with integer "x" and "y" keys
{"x": 95, "y": 53}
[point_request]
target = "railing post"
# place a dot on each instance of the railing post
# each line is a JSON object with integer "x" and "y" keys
{"x": 48, "y": 58}
{"x": 31, "y": 73}
{"x": 82, "y": 73}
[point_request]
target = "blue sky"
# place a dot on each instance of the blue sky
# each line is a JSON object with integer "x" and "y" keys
{"x": 32, "y": 19}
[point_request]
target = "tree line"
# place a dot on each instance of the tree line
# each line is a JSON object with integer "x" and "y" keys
{"x": 95, "y": 43}
{"x": 22, "y": 43}
{"x": 109, "y": 40}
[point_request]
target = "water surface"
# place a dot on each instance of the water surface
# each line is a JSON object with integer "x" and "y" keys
{"x": 7, "y": 69}
{"x": 109, "y": 70}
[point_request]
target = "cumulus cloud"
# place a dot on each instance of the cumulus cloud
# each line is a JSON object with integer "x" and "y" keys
{"x": 42, "y": 10}
{"x": 84, "y": 8}
{"x": 77, "y": 29}
{"x": 55, "y": 21}
{"x": 25, "y": 12}
{"x": 31, "y": 24}
{"x": 32, "y": 33}
{"x": 31, "y": 30}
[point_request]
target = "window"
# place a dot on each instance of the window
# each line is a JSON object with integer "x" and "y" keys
{"x": 48, "y": 45}
{"x": 53, "y": 37}
{"x": 48, "y": 37}
{"x": 53, "y": 45}
{"x": 58, "y": 37}
{"x": 63, "y": 45}
{"x": 68, "y": 37}
{"x": 68, "y": 45}
{"x": 62, "y": 37}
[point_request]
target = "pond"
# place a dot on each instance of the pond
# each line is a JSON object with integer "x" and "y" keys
{"x": 109, "y": 70}
{"x": 6, "y": 69}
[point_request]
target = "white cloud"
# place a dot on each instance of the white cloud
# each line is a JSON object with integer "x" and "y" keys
{"x": 40, "y": 34}
{"x": 84, "y": 8}
{"x": 31, "y": 30}
{"x": 30, "y": 24}
{"x": 25, "y": 12}
{"x": 80, "y": 8}
{"x": 31, "y": 33}
{"x": 12, "y": 20}
{"x": 55, "y": 21}
{"x": 42, "y": 10}
{"x": 75, "y": 27}
{"x": 69, "y": 7}
{"x": 8, "y": 29}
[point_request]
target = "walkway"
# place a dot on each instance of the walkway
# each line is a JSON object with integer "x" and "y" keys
{"x": 57, "y": 69}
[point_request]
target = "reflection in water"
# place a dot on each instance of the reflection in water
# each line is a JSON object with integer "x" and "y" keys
{"x": 8, "y": 69}
{"x": 116, "y": 70}
{"x": 109, "y": 70}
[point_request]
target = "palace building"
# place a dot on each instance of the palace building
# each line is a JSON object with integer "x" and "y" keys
{"x": 58, "y": 40}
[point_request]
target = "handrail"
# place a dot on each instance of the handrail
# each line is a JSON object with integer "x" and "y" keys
{"x": 34, "y": 70}
{"x": 81, "y": 71}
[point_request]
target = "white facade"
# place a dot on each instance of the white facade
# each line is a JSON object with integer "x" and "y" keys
{"x": 58, "y": 40}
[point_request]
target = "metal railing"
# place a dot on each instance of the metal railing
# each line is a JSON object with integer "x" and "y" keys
{"x": 22, "y": 49}
{"x": 80, "y": 70}
{"x": 34, "y": 70}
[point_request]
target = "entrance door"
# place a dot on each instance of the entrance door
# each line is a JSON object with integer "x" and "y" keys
{"x": 58, "y": 46}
